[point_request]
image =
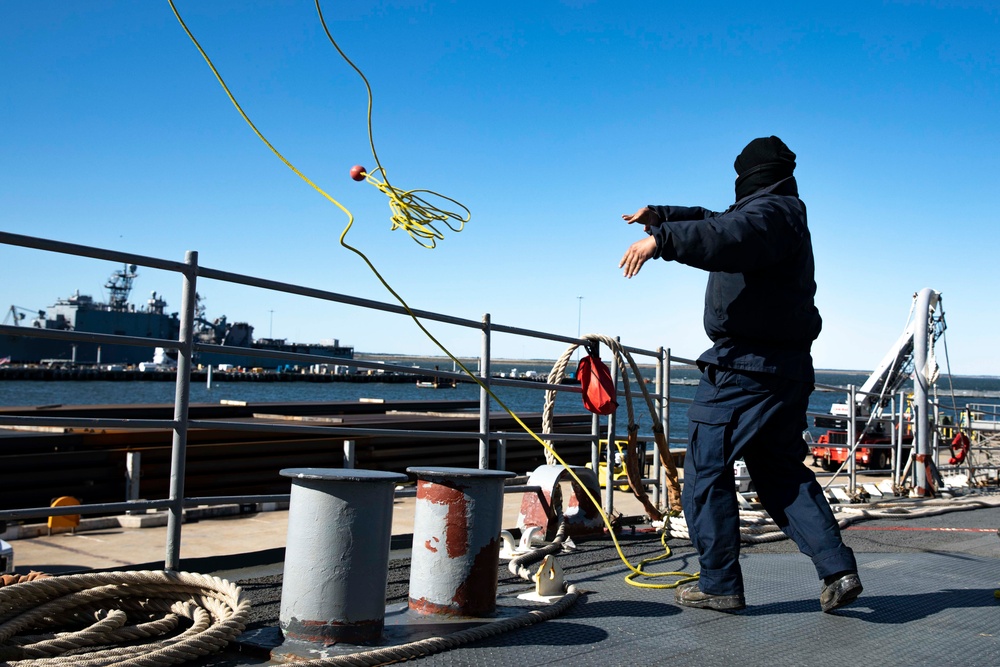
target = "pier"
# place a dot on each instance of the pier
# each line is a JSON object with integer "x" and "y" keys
{"x": 229, "y": 454}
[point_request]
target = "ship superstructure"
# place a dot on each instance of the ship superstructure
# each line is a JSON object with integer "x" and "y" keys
{"x": 81, "y": 312}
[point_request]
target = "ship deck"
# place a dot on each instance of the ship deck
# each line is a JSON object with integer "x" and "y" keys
{"x": 929, "y": 595}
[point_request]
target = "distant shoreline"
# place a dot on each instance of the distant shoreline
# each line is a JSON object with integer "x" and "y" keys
{"x": 441, "y": 359}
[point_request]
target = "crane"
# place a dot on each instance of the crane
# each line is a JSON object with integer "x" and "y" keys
{"x": 16, "y": 313}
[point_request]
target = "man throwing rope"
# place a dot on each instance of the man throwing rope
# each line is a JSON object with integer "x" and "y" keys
{"x": 756, "y": 379}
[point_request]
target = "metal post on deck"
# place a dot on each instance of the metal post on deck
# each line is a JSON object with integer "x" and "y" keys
{"x": 609, "y": 473}
{"x": 182, "y": 397}
{"x": 897, "y": 468}
{"x": 501, "y": 451}
{"x": 133, "y": 465}
{"x": 595, "y": 430}
{"x": 665, "y": 409}
{"x": 659, "y": 384}
{"x": 852, "y": 437}
{"x": 921, "y": 314}
{"x": 484, "y": 396}
{"x": 595, "y": 443}
{"x": 349, "y": 454}
{"x": 891, "y": 421}
{"x": 935, "y": 436}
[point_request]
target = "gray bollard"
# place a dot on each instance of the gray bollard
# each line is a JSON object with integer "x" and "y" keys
{"x": 337, "y": 555}
{"x": 456, "y": 541}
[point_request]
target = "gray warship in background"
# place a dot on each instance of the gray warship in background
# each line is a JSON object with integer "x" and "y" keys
{"x": 81, "y": 312}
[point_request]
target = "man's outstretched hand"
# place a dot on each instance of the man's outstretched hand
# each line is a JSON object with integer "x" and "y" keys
{"x": 640, "y": 251}
{"x": 644, "y": 216}
{"x": 636, "y": 255}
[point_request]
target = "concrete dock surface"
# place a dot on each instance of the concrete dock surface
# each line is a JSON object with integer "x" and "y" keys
{"x": 121, "y": 547}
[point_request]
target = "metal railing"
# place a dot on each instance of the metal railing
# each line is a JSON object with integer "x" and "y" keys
{"x": 980, "y": 421}
{"x": 190, "y": 272}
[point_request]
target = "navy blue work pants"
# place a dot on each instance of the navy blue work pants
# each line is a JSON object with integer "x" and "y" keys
{"x": 758, "y": 417}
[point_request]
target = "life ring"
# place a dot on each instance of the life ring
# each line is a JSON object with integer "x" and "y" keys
{"x": 959, "y": 448}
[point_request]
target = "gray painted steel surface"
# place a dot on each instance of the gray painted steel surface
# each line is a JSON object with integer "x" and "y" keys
{"x": 337, "y": 554}
{"x": 456, "y": 541}
{"x": 928, "y": 601}
{"x": 182, "y": 403}
{"x": 921, "y": 423}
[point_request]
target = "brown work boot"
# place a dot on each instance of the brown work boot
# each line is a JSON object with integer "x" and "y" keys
{"x": 842, "y": 591}
{"x": 690, "y": 595}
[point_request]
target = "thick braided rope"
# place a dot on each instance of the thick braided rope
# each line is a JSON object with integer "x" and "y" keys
{"x": 757, "y": 526}
{"x": 617, "y": 350}
{"x": 429, "y": 646}
{"x": 623, "y": 357}
{"x": 11, "y": 579}
{"x": 663, "y": 448}
{"x": 557, "y": 374}
{"x": 847, "y": 514}
{"x": 215, "y": 609}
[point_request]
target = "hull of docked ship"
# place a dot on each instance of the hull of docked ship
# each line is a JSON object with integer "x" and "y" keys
{"x": 119, "y": 317}
{"x": 325, "y": 354}
{"x": 30, "y": 350}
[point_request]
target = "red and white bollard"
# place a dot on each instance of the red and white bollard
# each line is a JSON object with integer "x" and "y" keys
{"x": 456, "y": 541}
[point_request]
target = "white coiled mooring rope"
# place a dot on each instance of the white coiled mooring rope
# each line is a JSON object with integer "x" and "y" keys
{"x": 103, "y": 610}
{"x": 757, "y": 526}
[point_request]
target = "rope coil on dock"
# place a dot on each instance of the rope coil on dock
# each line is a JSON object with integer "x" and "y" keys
{"x": 431, "y": 645}
{"x": 757, "y": 526}
{"x": 633, "y": 454}
{"x": 194, "y": 615}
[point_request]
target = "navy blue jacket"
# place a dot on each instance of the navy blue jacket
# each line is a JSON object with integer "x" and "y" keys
{"x": 759, "y": 309}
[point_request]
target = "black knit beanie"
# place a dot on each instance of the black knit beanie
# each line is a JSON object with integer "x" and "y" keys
{"x": 763, "y": 162}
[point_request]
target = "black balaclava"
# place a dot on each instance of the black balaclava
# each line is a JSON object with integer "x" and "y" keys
{"x": 763, "y": 162}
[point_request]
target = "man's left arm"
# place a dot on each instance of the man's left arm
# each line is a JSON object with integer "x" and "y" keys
{"x": 761, "y": 234}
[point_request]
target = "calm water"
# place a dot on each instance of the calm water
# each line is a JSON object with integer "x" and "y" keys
{"x": 31, "y": 393}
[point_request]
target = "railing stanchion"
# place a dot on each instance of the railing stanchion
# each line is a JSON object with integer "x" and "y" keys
{"x": 133, "y": 465}
{"x": 897, "y": 467}
{"x": 665, "y": 409}
{"x": 349, "y": 453}
{"x": 609, "y": 456}
{"x": 178, "y": 454}
{"x": 852, "y": 437}
{"x": 484, "y": 397}
{"x": 501, "y": 451}
{"x": 923, "y": 465}
{"x": 595, "y": 445}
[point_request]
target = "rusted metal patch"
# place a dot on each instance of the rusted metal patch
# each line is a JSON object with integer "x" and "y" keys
{"x": 477, "y": 595}
{"x": 454, "y": 498}
{"x": 333, "y": 632}
{"x": 425, "y": 606}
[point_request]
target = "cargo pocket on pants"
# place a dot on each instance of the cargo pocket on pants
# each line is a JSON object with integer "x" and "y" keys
{"x": 710, "y": 434}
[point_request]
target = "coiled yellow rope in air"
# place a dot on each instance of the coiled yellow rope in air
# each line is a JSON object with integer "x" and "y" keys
{"x": 410, "y": 211}
{"x": 409, "y": 205}
{"x": 415, "y": 214}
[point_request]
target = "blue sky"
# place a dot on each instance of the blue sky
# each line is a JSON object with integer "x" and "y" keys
{"x": 547, "y": 119}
